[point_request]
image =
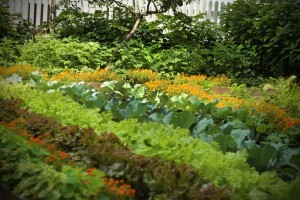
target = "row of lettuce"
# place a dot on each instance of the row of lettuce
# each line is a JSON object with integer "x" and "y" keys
{"x": 217, "y": 166}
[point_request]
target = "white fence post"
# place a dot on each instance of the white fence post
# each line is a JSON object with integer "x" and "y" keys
{"x": 38, "y": 10}
{"x": 45, "y": 10}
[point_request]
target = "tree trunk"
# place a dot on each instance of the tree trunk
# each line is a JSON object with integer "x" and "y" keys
{"x": 134, "y": 28}
{"x": 126, "y": 39}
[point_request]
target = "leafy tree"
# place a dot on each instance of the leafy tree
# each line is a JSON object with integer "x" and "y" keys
{"x": 159, "y": 6}
{"x": 272, "y": 28}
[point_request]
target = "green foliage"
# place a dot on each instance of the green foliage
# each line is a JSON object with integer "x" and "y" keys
{"x": 154, "y": 178}
{"x": 271, "y": 27}
{"x": 286, "y": 94}
{"x": 13, "y": 26}
{"x": 164, "y": 141}
{"x": 229, "y": 59}
{"x": 9, "y": 52}
{"x": 24, "y": 171}
{"x": 41, "y": 102}
{"x": 182, "y": 29}
{"x": 92, "y": 27}
{"x": 9, "y": 109}
{"x": 65, "y": 53}
{"x": 240, "y": 91}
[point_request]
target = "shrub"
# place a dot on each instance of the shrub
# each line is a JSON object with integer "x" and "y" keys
{"x": 272, "y": 28}
{"x": 65, "y": 53}
{"x": 9, "y": 52}
{"x": 92, "y": 27}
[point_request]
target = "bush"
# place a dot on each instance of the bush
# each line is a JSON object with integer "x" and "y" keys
{"x": 9, "y": 52}
{"x": 65, "y": 53}
{"x": 92, "y": 27}
{"x": 272, "y": 28}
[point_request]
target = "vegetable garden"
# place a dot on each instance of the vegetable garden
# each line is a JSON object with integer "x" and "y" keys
{"x": 85, "y": 117}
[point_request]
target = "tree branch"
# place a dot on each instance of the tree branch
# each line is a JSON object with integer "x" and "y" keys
{"x": 148, "y": 6}
{"x": 134, "y": 28}
{"x": 124, "y": 6}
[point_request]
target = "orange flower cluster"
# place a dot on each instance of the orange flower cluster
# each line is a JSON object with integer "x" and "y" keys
{"x": 190, "y": 90}
{"x": 194, "y": 79}
{"x": 99, "y": 75}
{"x": 159, "y": 85}
{"x": 38, "y": 140}
{"x": 277, "y": 115}
{"x": 57, "y": 157}
{"x": 118, "y": 187}
{"x": 273, "y": 114}
{"x": 219, "y": 80}
{"x": 13, "y": 125}
{"x": 21, "y": 69}
{"x": 230, "y": 101}
{"x": 90, "y": 171}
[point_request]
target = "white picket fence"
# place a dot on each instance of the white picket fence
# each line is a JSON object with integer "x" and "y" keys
{"x": 38, "y": 11}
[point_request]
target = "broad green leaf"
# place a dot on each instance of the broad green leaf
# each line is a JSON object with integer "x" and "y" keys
{"x": 262, "y": 158}
{"x": 15, "y": 78}
{"x": 168, "y": 117}
{"x": 238, "y": 124}
{"x": 202, "y": 126}
{"x": 36, "y": 76}
{"x": 295, "y": 161}
{"x": 183, "y": 119}
{"x": 155, "y": 117}
{"x": 239, "y": 137}
{"x": 98, "y": 101}
{"x": 226, "y": 143}
{"x": 215, "y": 129}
